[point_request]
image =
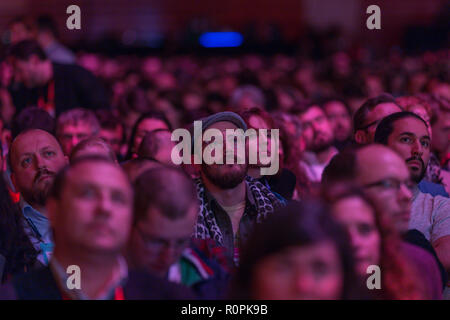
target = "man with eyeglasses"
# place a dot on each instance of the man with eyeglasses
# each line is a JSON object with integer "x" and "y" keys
{"x": 90, "y": 206}
{"x": 367, "y": 117}
{"x": 166, "y": 210}
{"x": 385, "y": 178}
{"x": 408, "y": 135}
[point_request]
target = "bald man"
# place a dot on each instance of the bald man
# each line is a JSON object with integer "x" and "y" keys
{"x": 384, "y": 176}
{"x": 35, "y": 158}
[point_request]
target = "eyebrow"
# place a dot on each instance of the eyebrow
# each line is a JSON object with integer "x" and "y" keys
{"x": 413, "y": 135}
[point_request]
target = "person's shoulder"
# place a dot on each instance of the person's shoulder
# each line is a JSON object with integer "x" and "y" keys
{"x": 143, "y": 285}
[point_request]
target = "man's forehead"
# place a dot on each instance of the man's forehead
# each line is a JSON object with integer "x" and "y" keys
{"x": 104, "y": 172}
{"x": 411, "y": 125}
{"x": 30, "y": 140}
{"x": 383, "y": 110}
{"x": 378, "y": 161}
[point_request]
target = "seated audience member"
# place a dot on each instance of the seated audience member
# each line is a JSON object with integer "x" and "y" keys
{"x": 231, "y": 202}
{"x": 47, "y": 37}
{"x": 340, "y": 120}
{"x": 74, "y": 126}
{"x": 90, "y": 208}
{"x": 93, "y": 146}
{"x": 17, "y": 254}
{"x": 367, "y": 117}
{"x": 157, "y": 145}
{"x": 147, "y": 122}
{"x": 440, "y": 124}
{"x": 283, "y": 182}
{"x": 112, "y": 131}
{"x": 407, "y": 134}
{"x": 32, "y": 118}
{"x": 299, "y": 253}
{"x": 376, "y": 242}
{"x": 35, "y": 157}
{"x": 318, "y": 135}
{"x": 160, "y": 240}
{"x": 421, "y": 106}
{"x": 385, "y": 179}
{"x": 54, "y": 87}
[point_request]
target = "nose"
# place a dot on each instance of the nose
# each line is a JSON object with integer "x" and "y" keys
{"x": 404, "y": 193}
{"x": 304, "y": 282}
{"x": 104, "y": 205}
{"x": 40, "y": 162}
{"x": 417, "y": 148}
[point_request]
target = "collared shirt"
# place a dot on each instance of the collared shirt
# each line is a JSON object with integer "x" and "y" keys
{"x": 313, "y": 168}
{"x": 118, "y": 279}
{"x": 37, "y": 227}
{"x": 246, "y": 223}
{"x": 430, "y": 215}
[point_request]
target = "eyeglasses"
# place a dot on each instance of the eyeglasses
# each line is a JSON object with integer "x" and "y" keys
{"x": 391, "y": 184}
{"x": 156, "y": 244}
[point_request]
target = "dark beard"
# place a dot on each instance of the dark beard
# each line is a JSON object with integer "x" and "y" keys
{"x": 321, "y": 147}
{"x": 225, "y": 181}
{"x": 418, "y": 177}
{"x": 38, "y": 194}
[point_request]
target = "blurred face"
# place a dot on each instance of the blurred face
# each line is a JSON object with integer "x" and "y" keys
{"x": 411, "y": 140}
{"x": 36, "y": 157}
{"x": 145, "y": 127}
{"x": 441, "y": 132}
{"x": 256, "y": 122}
{"x": 316, "y": 130}
{"x": 358, "y": 218}
{"x": 224, "y": 176}
{"x": 339, "y": 120}
{"x": 386, "y": 179}
{"x": 165, "y": 146}
{"x": 157, "y": 242}
{"x": 312, "y": 272}
{"x": 28, "y": 72}
{"x": 72, "y": 134}
{"x": 19, "y": 32}
{"x": 376, "y": 115}
{"x": 113, "y": 138}
{"x": 95, "y": 210}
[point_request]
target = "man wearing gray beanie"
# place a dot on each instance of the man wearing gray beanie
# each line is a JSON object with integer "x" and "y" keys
{"x": 231, "y": 201}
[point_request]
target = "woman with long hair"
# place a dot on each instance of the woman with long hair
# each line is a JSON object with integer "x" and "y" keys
{"x": 298, "y": 253}
{"x": 375, "y": 242}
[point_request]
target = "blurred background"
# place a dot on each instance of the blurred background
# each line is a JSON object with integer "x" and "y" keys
{"x": 309, "y": 26}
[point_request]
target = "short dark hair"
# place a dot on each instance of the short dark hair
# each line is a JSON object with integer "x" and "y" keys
{"x": 32, "y": 118}
{"x": 23, "y": 50}
{"x": 47, "y": 23}
{"x": 150, "y": 144}
{"x": 360, "y": 116}
{"x": 342, "y": 167}
{"x": 386, "y": 126}
{"x": 170, "y": 190}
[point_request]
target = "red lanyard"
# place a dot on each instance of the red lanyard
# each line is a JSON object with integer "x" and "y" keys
{"x": 118, "y": 294}
{"x": 48, "y": 106}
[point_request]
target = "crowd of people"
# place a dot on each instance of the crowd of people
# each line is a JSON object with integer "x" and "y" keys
{"x": 89, "y": 178}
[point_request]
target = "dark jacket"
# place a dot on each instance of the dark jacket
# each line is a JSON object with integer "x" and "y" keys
{"x": 75, "y": 87}
{"x": 41, "y": 285}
